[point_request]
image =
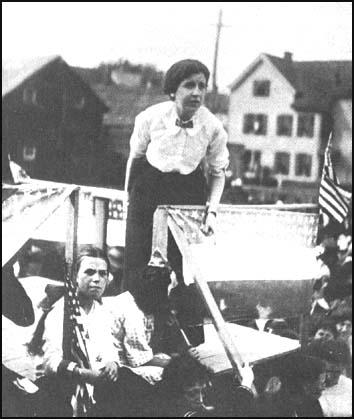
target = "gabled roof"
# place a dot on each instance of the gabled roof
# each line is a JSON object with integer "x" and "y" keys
{"x": 12, "y": 78}
{"x": 316, "y": 83}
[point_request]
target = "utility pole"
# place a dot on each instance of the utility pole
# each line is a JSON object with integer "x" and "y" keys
{"x": 214, "y": 86}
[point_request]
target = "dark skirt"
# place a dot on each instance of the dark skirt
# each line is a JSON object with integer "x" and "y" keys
{"x": 152, "y": 188}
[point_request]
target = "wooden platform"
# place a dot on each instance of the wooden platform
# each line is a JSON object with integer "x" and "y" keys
{"x": 254, "y": 346}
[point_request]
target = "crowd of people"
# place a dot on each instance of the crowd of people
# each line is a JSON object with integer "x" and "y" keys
{"x": 142, "y": 365}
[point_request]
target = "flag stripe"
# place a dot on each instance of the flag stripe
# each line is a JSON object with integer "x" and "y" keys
{"x": 82, "y": 398}
{"x": 332, "y": 205}
{"x": 333, "y": 199}
{"x": 329, "y": 201}
{"x": 330, "y": 210}
{"x": 337, "y": 192}
{"x": 330, "y": 192}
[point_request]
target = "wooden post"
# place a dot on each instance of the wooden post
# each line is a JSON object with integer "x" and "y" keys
{"x": 72, "y": 226}
{"x": 70, "y": 257}
{"x": 217, "y": 319}
{"x": 160, "y": 232}
{"x": 101, "y": 219}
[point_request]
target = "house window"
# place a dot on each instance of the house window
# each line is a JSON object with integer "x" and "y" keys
{"x": 305, "y": 125}
{"x": 29, "y": 96}
{"x": 261, "y": 88}
{"x": 29, "y": 152}
{"x": 251, "y": 160}
{"x": 79, "y": 103}
{"x": 303, "y": 165}
{"x": 255, "y": 124}
{"x": 282, "y": 163}
{"x": 76, "y": 101}
{"x": 285, "y": 125}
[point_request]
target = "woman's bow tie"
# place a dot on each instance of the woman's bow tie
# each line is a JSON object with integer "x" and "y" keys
{"x": 187, "y": 124}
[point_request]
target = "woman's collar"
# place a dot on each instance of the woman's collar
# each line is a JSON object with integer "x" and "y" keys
{"x": 172, "y": 116}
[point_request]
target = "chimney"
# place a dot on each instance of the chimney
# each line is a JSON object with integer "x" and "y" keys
{"x": 288, "y": 56}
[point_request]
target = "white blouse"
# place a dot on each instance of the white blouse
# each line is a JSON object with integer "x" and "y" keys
{"x": 99, "y": 340}
{"x": 171, "y": 148}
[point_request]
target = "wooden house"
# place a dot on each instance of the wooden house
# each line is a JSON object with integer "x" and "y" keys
{"x": 51, "y": 122}
{"x": 280, "y": 115}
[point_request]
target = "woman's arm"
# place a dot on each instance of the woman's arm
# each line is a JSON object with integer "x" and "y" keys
{"x": 217, "y": 160}
{"x": 134, "y": 165}
{"x": 139, "y": 142}
{"x": 216, "y": 187}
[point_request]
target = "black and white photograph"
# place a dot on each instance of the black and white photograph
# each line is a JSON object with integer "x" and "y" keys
{"x": 176, "y": 209}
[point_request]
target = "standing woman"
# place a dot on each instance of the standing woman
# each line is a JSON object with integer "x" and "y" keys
{"x": 170, "y": 143}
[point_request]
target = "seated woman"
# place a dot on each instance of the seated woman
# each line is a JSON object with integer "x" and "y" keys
{"x": 140, "y": 318}
{"x": 99, "y": 369}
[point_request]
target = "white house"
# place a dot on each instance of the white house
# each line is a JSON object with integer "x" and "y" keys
{"x": 281, "y": 113}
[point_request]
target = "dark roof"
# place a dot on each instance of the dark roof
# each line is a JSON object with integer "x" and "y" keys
{"x": 317, "y": 83}
{"x": 12, "y": 78}
{"x": 125, "y": 103}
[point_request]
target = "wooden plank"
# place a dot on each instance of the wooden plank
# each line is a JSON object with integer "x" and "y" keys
{"x": 160, "y": 231}
{"x": 20, "y": 226}
{"x": 70, "y": 259}
{"x": 254, "y": 346}
{"x": 72, "y": 226}
{"x": 101, "y": 220}
{"x": 217, "y": 319}
{"x": 108, "y": 193}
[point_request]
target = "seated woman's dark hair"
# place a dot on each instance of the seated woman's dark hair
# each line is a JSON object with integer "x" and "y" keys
{"x": 180, "y": 71}
{"x": 91, "y": 251}
{"x": 298, "y": 368}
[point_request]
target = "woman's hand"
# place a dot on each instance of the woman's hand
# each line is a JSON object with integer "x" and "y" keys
{"x": 109, "y": 371}
{"x": 193, "y": 352}
{"x": 89, "y": 376}
{"x": 209, "y": 225}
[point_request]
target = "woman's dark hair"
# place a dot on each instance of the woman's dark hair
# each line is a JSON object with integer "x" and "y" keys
{"x": 183, "y": 371}
{"x": 182, "y": 70}
{"x": 299, "y": 368}
{"x": 91, "y": 251}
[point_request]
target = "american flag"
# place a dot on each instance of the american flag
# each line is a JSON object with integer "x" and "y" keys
{"x": 82, "y": 398}
{"x": 333, "y": 199}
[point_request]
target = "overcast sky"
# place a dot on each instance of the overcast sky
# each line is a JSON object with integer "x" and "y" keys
{"x": 86, "y": 34}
